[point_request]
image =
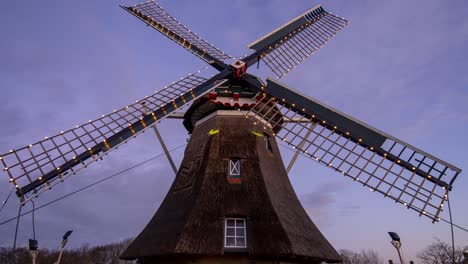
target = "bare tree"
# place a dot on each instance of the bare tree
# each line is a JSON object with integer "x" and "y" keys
{"x": 349, "y": 257}
{"x": 105, "y": 254}
{"x": 7, "y": 256}
{"x": 440, "y": 252}
{"x": 364, "y": 257}
{"x": 370, "y": 257}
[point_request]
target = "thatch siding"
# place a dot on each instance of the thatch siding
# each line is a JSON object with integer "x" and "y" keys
{"x": 190, "y": 221}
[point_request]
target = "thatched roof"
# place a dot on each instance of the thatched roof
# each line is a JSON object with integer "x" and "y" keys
{"x": 190, "y": 221}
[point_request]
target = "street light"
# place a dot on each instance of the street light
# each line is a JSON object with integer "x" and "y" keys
{"x": 64, "y": 242}
{"x": 397, "y": 244}
{"x": 33, "y": 245}
{"x": 465, "y": 257}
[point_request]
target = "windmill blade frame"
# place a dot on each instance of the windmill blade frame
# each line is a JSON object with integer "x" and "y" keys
{"x": 369, "y": 156}
{"x": 39, "y": 166}
{"x": 287, "y": 46}
{"x": 155, "y": 16}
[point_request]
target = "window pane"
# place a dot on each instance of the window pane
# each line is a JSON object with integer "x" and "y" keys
{"x": 235, "y": 233}
{"x": 240, "y": 223}
{"x": 239, "y": 232}
{"x": 240, "y": 242}
{"x": 230, "y": 232}
{"x": 230, "y": 242}
{"x": 230, "y": 222}
{"x": 234, "y": 167}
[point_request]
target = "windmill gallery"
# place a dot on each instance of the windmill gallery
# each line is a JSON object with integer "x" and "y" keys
{"x": 231, "y": 200}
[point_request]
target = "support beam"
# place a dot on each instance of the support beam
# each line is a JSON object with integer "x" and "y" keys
{"x": 163, "y": 145}
{"x": 298, "y": 151}
{"x": 176, "y": 115}
{"x": 296, "y": 120}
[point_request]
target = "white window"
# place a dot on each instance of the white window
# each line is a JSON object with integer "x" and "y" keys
{"x": 235, "y": 235}
{"x": 234, "y": 167}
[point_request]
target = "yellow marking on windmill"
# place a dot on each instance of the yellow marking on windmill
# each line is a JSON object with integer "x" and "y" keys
{"x": 256, "y": 133}
{"x": 213, "y": 131}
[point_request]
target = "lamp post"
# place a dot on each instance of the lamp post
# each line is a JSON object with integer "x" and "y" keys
{"x": 397, "y": 244}
{"x": 33, "y": 245}
{"x": 64, "y": 242}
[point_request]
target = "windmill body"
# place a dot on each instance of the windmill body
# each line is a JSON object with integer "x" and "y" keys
{"x": 231, "y": 200}
{"x": 231, "y": 173}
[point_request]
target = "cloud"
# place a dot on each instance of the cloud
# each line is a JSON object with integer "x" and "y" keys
{"x": 321, "y": 204}
{"x": 323, "y": 195}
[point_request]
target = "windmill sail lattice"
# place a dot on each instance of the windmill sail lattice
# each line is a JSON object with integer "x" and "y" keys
{"x": 232, "y": 167}
{"x": 286, "y": 47}
{"x": 41, "y": 165}
{"x": 370, "y": 157}
{"x": 155, "y": 16}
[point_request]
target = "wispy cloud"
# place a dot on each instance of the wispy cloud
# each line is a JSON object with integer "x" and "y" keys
{"x": 321, "y": 203}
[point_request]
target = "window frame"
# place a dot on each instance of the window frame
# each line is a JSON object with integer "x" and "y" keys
{"x": 268, "y": 145}
{"x": 235, "y": 236}
{"x": 232, "y": 167}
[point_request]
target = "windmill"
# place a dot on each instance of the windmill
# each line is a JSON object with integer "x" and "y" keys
{"x": 231, "y": 196}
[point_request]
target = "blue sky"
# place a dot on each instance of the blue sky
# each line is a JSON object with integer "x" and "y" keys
{"x": 400, "y": 66}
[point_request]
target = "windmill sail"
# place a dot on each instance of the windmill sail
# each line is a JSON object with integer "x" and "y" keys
{"x": 39, "y": 166}
{"x": 155, "y": 16}
{"x": 370, "y": 157}
{"x": 286, "y": 47}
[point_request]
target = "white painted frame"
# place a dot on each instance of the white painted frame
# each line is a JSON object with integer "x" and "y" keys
{"x": 235, "y": 236}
